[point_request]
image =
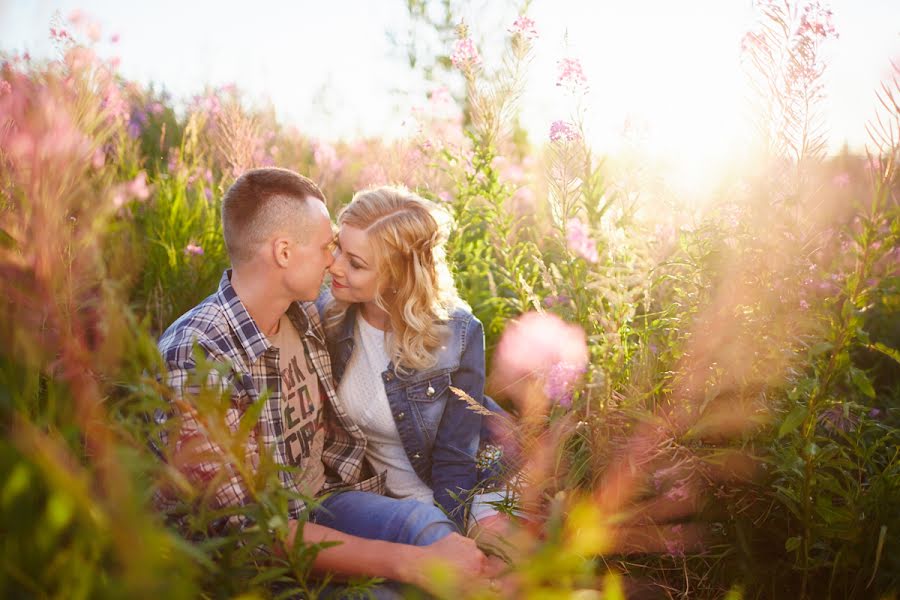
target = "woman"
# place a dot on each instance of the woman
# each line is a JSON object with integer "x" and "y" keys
{"x": 400, "y": 338}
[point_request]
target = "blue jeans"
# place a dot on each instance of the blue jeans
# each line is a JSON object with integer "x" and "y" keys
{"x": 377, "y": 517}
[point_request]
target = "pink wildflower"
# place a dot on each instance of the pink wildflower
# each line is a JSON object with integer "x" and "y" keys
{"x": 465, "y": 54}
{"x": 93, "y": 31}
{"x": 524, "y": 27}
{"x": 678, "y": 492}
{"x": 114, "y": 38}
{"x": 560, "y": 381}
{"x": 675, "y": 544}
{"x": 76, "y": 17}
{"x": 79, "y": 58}
{"x": 841, "y": 180}
{"x": 579, "y": 241}
{"x": 561, "y": 131}
{"x": 544, "y": 346}
{"x": 134, "y": 189}
{"x": 326, "y": 157}
{"x": 816, "y": 22}
{"x": 114, "y": 104}
{"x": 571, "y": 75}
{"x": 98, "y": 159}
{"x": 193, "y": 250}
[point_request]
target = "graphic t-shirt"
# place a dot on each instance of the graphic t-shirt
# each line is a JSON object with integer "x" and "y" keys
{"x": 301, "y": 408}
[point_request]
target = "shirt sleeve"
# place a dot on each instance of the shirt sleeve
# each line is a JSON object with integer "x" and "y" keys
{"x": 213, "y": 448}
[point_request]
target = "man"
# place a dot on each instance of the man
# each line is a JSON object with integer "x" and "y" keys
{"x": 261, "y": 322}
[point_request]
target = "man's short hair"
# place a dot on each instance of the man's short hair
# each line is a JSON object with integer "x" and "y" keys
{"x": 259, "y": 203}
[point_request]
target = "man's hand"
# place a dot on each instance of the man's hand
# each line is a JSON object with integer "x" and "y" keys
{"x": 458, "y": 553}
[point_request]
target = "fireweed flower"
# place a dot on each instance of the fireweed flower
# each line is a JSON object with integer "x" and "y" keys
{"x": 524, "y": 26}
{"x": 841, "y": 180}
{"x": 816, "y": 22}
{"x": 560, "y": 381}
{"x": 561, "y": 131}
{"x": 540, "y": 346}
{"x": 675, "y": 546}
{"x": 134, "y": 189}
{"x": 465, "y": 54}
{"x": 551, "y": 301}
{"x": 836, "y": 419}
{"x": 579, "y": 241}
{"x": 571, "y": 76}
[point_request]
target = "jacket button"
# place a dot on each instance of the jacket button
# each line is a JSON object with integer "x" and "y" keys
{"x": 401, "y": 415}
{"x": 430, "y": 391}
{"x": 388, "y": 376}
{"x": 417, "y": 455}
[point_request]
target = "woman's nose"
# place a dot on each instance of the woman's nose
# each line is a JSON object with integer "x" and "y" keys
{"x": 335, "y": 267}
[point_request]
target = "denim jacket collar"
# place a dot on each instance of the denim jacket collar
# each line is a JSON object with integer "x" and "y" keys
{"x": 346, "y": 331}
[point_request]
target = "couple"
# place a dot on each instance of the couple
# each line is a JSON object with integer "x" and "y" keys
{"x": 356, "y": 382}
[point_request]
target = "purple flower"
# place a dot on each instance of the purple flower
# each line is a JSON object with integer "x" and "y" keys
{"x": 193, "y": 250}
{"x": 523, "y": 26}
{"x": 841, "y": 180}
{"x": 579, "y": 241}
{"x": 560, "y": 380}
{"x": 571, "y": 75}
{"x": 551, "y": 301}
{"x": 465, "y": 54}
{"x": 675, "y": 545}
{"x": 835, "y": 419}
{"x": 561, "y": 131}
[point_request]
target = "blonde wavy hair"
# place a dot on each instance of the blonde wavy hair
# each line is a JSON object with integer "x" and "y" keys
{"x": 415, "y": 287}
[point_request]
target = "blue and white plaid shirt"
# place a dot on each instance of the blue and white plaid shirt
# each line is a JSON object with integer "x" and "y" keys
{"x": 224, "y": 331}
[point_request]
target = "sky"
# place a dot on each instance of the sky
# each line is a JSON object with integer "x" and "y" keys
{"x": 672, "y": 68}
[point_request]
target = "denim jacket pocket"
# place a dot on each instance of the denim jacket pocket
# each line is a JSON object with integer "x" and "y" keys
{"x": 430, "y": 388}
{"x": 427, "y": 399}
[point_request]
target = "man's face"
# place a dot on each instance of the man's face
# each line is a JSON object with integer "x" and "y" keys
{"x": 311, "y": 257}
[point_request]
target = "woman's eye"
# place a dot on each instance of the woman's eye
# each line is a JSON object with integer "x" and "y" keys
{"x": 355, "y": 265}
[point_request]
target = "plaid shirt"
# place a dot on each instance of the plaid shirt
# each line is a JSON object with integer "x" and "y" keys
{"x": 225, "y": 333}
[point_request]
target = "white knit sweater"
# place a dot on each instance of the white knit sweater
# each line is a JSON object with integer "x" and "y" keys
{"x": 361, "y": 391}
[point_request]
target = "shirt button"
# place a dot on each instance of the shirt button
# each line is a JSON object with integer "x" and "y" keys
{"x": 401, "y": 415}
{"x": 430, "y": 391}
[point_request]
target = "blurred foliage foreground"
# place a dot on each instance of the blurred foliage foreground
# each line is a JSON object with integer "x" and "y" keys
{"x": 708, "y": 396}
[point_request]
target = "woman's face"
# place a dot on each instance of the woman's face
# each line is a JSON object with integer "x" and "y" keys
{"x": 354, "y": 274}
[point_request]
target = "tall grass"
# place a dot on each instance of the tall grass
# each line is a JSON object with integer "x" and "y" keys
{"x": 732, "y": 429}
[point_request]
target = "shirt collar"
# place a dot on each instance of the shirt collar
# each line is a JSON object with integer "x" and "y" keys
{"x": 252, "y": 339}
{"x": 254, "y": 342}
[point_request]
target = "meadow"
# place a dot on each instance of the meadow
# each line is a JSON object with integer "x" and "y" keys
{"x": 708, "y": 396}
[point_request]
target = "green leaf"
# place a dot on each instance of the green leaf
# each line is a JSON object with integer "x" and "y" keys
{"x": 792, "y": 420}
{"x": 792, "y": 543}
{"x": 886, "y": 350}
{"x": 861, "y": 381}
{"x": 820, "y": 348}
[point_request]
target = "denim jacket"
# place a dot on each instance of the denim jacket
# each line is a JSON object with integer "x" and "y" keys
{"x": 440, "y": 434}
